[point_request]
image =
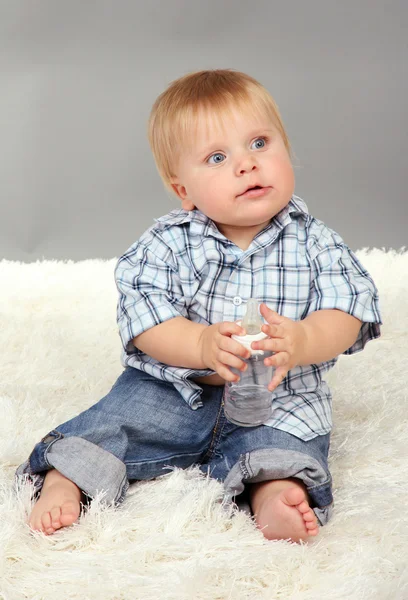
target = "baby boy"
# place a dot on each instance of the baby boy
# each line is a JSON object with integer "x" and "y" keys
{"x": 220, "y": 146}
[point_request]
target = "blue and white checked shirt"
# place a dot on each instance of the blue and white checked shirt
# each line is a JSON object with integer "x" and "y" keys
{"x": 184, "y": 266}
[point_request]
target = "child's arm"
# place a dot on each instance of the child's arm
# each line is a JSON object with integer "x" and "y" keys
{"x": 320, "y": 337}
{"x": 179, "y": 342}
{"x": 328, "y": 333}
{"x": 174, "y": 342}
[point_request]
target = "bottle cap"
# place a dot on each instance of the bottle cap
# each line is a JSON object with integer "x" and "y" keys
{"x": 246, "y": 340}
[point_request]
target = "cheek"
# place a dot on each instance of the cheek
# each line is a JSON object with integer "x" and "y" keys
{"x": 284, "y": 171}
{"x": 212, "y": 184}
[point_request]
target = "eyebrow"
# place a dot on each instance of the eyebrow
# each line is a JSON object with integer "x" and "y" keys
{"x": 215, "y": 145}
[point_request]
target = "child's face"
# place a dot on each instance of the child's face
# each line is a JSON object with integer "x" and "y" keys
{"x": 224, "y": 164}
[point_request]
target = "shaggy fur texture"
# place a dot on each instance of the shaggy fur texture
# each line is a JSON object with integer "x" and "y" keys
{"x": 171, "y": 539}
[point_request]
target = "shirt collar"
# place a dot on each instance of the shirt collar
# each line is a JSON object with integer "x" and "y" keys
{"x": 204, "y": 226}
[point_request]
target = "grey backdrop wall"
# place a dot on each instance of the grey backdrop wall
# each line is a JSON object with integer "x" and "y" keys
{"x": 77, "y": 179}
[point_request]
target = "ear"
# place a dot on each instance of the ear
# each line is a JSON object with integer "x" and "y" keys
{"x": 181, "y": 192}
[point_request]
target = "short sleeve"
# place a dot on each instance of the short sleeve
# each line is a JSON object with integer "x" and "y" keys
{"x": 149, "y": 290}
{"x": 339, "y": 281}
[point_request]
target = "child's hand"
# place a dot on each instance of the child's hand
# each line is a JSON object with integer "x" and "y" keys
{"x": 286, "y": 338}
{"x": 219, "y": 351}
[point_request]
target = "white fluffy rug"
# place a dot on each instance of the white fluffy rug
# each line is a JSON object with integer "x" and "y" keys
{"x": 171, "y": 539}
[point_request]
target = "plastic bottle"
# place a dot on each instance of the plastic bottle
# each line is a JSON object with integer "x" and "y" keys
{"x": 248, "y": 402}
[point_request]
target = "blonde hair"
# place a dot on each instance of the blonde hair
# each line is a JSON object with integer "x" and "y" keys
{"x": 174, "y": 116}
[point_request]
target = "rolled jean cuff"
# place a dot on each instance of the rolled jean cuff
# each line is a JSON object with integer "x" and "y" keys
{"x": 87, "y": 465}
{"x": 273, "y": 464}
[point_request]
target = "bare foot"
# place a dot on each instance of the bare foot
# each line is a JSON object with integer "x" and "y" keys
{"x": 282, "y": 510}
{"x": 58, "y": 505}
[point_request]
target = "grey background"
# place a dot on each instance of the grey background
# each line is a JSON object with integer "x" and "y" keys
{"x": 78, "y": 79}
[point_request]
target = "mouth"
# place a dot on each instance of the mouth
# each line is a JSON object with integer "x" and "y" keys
{"x": 255, "y": 191}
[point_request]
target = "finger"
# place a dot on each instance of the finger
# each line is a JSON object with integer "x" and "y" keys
{"x": 270, "y": 344}
{"x": 234, "y": 347}
{"x": 224, "y": 372}
{"x": 270, "y": 315}
{"x": 230, "y": 328}
{"x": 279, "y": 359}
{"x": 277, "y": 379}
{"x": 230, "y": 360}
{"x": 274, "y": 331}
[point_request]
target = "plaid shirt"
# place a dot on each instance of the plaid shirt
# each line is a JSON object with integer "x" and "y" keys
{"x": 184, "y": 266}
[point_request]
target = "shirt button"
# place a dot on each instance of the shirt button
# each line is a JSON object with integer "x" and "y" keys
{"x": 237, "y": 300}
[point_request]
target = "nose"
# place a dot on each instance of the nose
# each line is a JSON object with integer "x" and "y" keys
{"x": 246, "y": 164}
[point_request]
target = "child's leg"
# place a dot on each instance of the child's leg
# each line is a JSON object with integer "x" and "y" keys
{"x": 279, "y": 479}
{"x": 140, "y": 430}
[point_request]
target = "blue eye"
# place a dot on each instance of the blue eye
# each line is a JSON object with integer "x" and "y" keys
{"x": 217, "y": 162}
{"x": 259, "y": 144}
{"x": 263, "y": 142}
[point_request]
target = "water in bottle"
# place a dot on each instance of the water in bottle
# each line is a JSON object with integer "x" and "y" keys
{"x": 248, "y": 402}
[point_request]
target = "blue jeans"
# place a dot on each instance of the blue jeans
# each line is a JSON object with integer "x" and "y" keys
{"x": 143, "y": 426}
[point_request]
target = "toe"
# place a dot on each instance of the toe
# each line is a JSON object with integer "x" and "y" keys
{"x": 309, "y": 516}
{"x": 69, "y": 513}
{"x": 310, "y": 525}
{"x": 303, "y": 507}
{"x": 35, "y": 525}
{"x": 294, "y": 497}
{"x": 46, "y": 525}
{"x": 55, "y": 513}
